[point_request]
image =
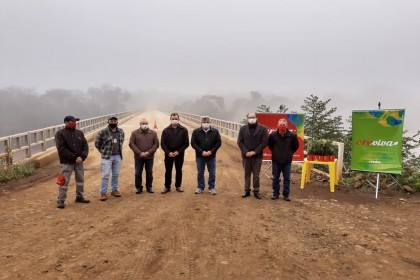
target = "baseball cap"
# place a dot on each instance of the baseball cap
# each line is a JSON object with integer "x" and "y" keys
{"x": 113, "y": 117}
{"x": 71, "y": 119}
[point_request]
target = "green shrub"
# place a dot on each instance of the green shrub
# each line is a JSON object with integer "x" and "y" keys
{"x": 15, "y": 172}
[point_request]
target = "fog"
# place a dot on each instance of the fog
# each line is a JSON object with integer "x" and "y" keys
{"x": 220, "y": 58}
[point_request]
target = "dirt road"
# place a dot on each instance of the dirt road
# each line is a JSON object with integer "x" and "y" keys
{"x": 318, "y": 235}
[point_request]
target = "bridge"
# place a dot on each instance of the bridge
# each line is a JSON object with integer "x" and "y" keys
{"x": 186, "y": 236}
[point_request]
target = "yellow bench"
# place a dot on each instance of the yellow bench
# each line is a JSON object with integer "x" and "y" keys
{"x": 306, "y": 172}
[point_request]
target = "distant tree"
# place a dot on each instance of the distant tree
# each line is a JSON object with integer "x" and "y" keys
{"x": 319, "y": 120}
{"x": 347, "y": 140}
{"x": 263, "y": 109}
{"x": 282, "y": 109}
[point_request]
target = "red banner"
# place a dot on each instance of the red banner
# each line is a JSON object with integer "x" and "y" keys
{"x": 294, "y": 124}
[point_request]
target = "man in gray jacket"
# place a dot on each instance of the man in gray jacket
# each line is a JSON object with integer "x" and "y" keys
{"x": 252, "y": 140}
{"x": 144, "y": 143}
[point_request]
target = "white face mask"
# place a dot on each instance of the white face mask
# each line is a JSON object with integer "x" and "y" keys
{"x": 144, "y": 126}
{"x": 252, "y": 121}
{"x": 205, "y": 126}
{"x": 174, "y": 122}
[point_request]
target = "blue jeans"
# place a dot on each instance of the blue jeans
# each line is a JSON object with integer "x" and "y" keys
{"x": 139, "y": 164}
{"x": 107, "y": 165}
{"x": 284, "y": 168}
{"x": 211, "y": 168}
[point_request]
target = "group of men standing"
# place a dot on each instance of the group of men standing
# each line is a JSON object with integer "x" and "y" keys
{"x": 73, "y": 149}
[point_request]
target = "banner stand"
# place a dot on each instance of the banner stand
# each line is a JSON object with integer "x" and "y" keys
{"x": 265, "y": 170}
{"x": 376, "y": 187}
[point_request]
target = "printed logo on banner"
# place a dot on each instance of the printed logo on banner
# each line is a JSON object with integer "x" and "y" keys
{"x": 377, "y": 140}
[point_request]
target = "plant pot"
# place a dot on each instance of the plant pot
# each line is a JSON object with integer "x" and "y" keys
{"x": 332, "y": 158}
{"x": 311, "y": 158}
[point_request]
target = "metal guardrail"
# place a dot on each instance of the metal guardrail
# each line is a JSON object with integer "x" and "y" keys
{"x": 232, "y": 129}
{"x": 21, "y": 146}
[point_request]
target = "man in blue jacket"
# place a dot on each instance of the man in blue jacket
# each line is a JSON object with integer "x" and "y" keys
{"x": 283, "y": 144}
{"x": 206, "y": 140}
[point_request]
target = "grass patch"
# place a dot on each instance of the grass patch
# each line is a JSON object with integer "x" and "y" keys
{"x": 16, "y": 172}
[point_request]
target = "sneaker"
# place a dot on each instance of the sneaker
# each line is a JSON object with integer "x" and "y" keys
{"x": 199, "y": 190}
{"x": 212, "y": 191}
{"x": 165, "y": 190}
{"x": 82, "y": 200}
{"x": 286, "y": 198}
{"x": 179, "y": 189}
{"x": 103, "y": 197}
{"x": 116, "y": 193}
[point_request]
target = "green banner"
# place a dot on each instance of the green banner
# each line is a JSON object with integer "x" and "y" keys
{"x": 377, "y": 141}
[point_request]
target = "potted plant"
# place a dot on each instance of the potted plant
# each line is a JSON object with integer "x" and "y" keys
{"x": 314, "y": 149}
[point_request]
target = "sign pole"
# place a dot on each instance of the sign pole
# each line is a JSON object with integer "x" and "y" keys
{"x": 377, "y": 186}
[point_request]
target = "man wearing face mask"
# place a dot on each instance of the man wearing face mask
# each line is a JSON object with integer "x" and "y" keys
{"x": 144, "y": 143}
{"x": 174, "y": 141}
{"x": 72, "y": 149}
{"x": 283, "y": 144}
{"x": 252, "y": 140}
{"x": 206, "y": 140}
{"x": 109, "y": 143}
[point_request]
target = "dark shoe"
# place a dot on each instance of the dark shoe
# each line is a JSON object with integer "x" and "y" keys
{"x": 165, "y": 190}
{"x": 139, "y": 191}
{"x": 60, "y": 205}
{"x": 82, "y": 200}
{"x": 179, "y": 189}
{"x": 150, "y": 190}
{"x": 257, "y": 195}
{"x": 275, "y": 196}
{"x": 286, "y": 198}
{"x": 246, "y": 194}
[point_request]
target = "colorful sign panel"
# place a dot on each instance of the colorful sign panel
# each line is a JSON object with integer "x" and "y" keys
{"x": 295, "y": 124}
{"x": 377, "y": 141}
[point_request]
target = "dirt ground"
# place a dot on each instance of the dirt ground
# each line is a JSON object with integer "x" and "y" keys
{"x": 318, "y": 235}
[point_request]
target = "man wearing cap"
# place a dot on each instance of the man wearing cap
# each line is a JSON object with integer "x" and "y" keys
{"x": 206, "y": 140}
{"x": 72, "y": 148}
{"x": 109, "y": 143}
{"x": 144, "y": 143}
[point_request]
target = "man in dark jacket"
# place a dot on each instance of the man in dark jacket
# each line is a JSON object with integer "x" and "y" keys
{"x": 144, "y": 143}
{"x": 206, "y": 140}
{"x": 283, "y": 144}
{"x": 174, "y": 141}
{"x": 72, "y": 149}
{"x": 252, "y": 140}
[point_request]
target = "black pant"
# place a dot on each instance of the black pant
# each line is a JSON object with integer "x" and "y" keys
{"x": 169, "y": 163}
{"x": 138, "y": 166}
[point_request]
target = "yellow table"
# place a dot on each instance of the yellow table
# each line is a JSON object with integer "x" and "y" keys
{"x": 307, "y": 167}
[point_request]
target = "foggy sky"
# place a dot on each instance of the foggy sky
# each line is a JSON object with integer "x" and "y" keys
{"x": 358, "y": 52}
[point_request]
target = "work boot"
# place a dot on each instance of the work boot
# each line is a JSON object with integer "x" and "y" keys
{"x": 81, "y": 199}
{"x": 286, "y": 198}
{"x": 60, "y": 205}
{"x": 116, "y": 193}
{"x": 103, "y": 197}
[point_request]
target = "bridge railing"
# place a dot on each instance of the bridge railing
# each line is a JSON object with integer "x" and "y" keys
{"x": 21, "y": 146}
{"x": 232, "y": 129}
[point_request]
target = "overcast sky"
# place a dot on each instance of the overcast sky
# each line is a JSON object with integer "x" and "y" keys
{"x": 356, "y": 51}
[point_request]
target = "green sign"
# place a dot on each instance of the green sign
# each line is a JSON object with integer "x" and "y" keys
{"x": 377, "y": 140}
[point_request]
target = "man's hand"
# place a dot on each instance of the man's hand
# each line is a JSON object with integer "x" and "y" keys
{"x": 79, "y": 160}
{"x": 250, "y": 154}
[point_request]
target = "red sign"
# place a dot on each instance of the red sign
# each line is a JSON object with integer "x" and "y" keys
{"x": 294, "y": 124}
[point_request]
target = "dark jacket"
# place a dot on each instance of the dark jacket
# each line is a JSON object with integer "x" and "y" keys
{"x": 71, "y": 144}
{"x": 144, "y": 141}
{"x": 174, "y": 139}
{"x": 282, "y": 147}
{"x": 202, "y": 141}
{"x": 256, "y": 143}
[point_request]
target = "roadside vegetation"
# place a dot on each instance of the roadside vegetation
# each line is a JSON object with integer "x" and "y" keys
{"x": 15, "y": 172}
